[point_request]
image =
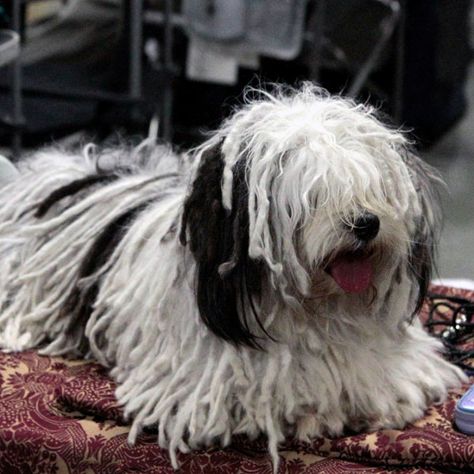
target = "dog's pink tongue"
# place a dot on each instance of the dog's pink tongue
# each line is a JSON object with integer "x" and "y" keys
{"x": 352, "y": 274}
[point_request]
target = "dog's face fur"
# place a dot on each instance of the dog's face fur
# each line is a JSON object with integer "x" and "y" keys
{"x": 312, "y": 202}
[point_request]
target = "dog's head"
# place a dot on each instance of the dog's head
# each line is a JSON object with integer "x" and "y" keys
{"x": 304, "y": 199}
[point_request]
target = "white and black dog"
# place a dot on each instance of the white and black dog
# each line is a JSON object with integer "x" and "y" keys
{"x": 264, "y": 282}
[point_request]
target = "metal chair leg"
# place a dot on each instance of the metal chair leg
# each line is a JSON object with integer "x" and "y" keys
{"x": 136, "y": 41}
{"x": 16, "y": 86}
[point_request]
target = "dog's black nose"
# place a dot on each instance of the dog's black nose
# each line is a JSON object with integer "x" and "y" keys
{"x": 366, "y": 227}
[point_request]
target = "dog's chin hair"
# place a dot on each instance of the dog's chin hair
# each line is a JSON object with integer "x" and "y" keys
{"x": 200, "y": 280}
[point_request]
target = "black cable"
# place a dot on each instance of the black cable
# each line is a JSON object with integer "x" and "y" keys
{"x": 451, "y": 319}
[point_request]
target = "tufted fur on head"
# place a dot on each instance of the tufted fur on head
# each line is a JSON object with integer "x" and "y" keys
{"x": 262, "y": 283}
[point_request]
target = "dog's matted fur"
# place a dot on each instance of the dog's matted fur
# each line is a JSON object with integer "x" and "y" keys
{"x": 264, "y": 282}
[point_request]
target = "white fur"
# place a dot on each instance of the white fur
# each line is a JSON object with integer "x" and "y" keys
{"x": 313, "y": 161}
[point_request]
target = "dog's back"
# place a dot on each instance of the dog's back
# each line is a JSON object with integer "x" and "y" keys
{"x": 61, "y": 219}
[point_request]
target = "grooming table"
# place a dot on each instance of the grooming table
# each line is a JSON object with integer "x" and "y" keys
{"x": 60, "y": 416}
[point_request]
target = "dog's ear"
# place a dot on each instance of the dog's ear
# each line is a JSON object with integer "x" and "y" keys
{"x": 427, "y": 226}
{"x": 227, "y": 279}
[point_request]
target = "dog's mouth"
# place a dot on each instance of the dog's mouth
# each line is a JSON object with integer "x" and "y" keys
{"x": 352, "y": 271}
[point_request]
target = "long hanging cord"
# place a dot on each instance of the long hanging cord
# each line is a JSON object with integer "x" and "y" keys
{"x": 451, "y": 319}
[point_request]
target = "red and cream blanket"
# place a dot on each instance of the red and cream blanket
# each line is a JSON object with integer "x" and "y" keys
{"x": 60, "y": 416}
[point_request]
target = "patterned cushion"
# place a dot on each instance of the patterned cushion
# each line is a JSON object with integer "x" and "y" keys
{"x": 61, "y": 416}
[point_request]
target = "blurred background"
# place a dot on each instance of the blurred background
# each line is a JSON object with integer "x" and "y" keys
{"x": 72, "y": 71}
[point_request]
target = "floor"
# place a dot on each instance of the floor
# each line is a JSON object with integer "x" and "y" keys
{"x": 454, "y": 157}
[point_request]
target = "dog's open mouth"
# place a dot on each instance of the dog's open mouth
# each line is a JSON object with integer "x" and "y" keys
{"x": 352, "y": 271}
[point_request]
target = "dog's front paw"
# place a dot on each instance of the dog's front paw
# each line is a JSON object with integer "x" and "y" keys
{"x": 314, "y": 425}
{"x": 427, "y": 383}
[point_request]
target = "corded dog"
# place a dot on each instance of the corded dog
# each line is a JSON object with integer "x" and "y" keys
{"x": 263, "y": 283}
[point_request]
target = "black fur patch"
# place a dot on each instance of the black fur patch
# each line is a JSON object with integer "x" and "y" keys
{"x": 227, "y": 279}
{"x": 420, "y": 264}
{"x": 70, "y": 189}
{"x": 423, "y": 249}
{"x": 80, "y": 301}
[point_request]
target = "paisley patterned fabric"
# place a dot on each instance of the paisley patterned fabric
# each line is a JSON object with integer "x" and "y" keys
{"x": 61, "y": 416}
